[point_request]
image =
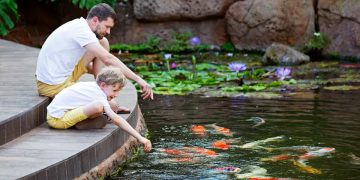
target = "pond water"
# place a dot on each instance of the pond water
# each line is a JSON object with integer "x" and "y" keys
{"x": 327, "y": 119}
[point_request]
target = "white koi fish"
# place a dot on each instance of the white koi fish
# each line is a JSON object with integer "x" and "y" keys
{"x": 257, "y": 143}
{"x": 254, "y": 172}
{"x": 258, "y": 120}
{"x": 317, "y": 153}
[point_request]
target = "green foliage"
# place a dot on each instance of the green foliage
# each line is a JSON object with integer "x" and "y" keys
{"x": 182, "y": 81}
{"x": 151, "y": 45}
{"x": 179, "y": 43}
{"x": 8, "y": 13}
{"x": 228, "y": 47}
{"x": 316, "y": 43}
{"x": 90, "y": 3}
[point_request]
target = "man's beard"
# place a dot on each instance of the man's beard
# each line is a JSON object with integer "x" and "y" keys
{"x": 99, "y": 36}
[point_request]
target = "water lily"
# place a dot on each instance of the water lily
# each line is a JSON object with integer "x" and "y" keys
{"x": 229, "y": 54}
{"x": 167, "y": 56}
{"x": 194, "y": 41}
{"x": 237, "y": 66}
{"x": 173, "y": 65}
{"x": 283, "y": 72}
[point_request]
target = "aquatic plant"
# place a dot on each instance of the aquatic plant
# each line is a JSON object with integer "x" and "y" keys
{"x": 283, "y": 72}
{"x": 228, "y": 47}
{"x": 167, "y": 58}
{"x": 315, "y": 45}
{"x": 173, "y": 65}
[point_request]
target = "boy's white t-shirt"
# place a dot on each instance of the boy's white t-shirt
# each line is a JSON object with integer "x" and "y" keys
{"x": 79, "y": 94}
{"x": 62, "y": 51}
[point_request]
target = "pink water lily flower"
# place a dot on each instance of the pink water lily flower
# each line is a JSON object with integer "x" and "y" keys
{"x": 237, "y": 66}
{"x": 173, "y": 65}
{"x": 283, "y": 72}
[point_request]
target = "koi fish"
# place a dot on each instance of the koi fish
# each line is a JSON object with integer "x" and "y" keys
{"x": 260, "y": 142}
{"x": 293, "y": 148}
{"x": 175, "y": 152}
{"x": 202, "y": 151}
{"x": 317, "y": 153}
{"x": 222, "y": 130}
{"x": 258, "y": 120}
{"x": 198, "y": 129}
{"x": 189, "y": 160}
{"x": 255, "y": 171}
{"x": 280, "y": 157}
{"x": 220, "y": 145}
{"x": 227, "y": 169}
{"x": 305, "y": 167}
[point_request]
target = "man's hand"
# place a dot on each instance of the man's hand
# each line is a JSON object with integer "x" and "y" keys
{"x": 146, "y": 90}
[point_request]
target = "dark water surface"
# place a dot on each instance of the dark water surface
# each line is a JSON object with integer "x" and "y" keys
{"x": 328, "y": 119}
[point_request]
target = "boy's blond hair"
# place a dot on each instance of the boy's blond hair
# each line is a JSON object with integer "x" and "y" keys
{"x": 111, "y": 76}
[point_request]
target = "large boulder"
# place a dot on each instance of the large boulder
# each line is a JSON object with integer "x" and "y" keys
{"x": 255, "y": 24}
{"x": 279, "y": 54}
{"x": 161, "y": 10}
{"x": 130, "y": 30}
{"x": 340, "y": 21}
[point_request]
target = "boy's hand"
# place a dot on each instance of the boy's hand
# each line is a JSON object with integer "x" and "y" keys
{"x": 147, "y": 144}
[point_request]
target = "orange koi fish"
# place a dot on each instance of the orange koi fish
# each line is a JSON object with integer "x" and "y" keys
{"x": 220, "y": 145}
{"x": 198, "y": 129}
{"x": 317, "y": 153}
{"x": 175, "y": 152}
{"x": 189, "y": 160}
{"x": 202, "y": 151}
{"x": 222, "y": 130}
{"x": 280, "y": 157}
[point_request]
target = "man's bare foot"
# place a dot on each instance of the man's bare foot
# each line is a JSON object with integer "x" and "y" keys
{"x": 123, "y": 110}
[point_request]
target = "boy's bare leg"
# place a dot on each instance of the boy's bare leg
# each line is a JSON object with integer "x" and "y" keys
{"x": 96, "y": 118}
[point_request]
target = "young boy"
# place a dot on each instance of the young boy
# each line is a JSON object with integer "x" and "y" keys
{"x": 87, "y": 101}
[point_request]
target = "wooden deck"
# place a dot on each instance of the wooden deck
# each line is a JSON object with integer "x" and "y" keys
{"x": 29, "y": 149}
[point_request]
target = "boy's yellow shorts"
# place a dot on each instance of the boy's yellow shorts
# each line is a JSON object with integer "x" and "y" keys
{"x": 51, "y": 90}
{"x": 69, "y": 119}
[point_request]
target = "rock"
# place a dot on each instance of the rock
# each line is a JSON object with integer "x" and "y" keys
{"x": 255, "y": 24}
{"x": 163, "y": 10}
{"x": 279, "y": 54}
{"x": 339, "y": 20}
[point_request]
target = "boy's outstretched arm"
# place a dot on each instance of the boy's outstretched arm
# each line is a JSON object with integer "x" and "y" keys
{"x": 123, "y": 124}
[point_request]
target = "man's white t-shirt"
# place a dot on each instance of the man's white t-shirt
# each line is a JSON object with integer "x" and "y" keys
{"x": 62, "y": 51}
{"x": 79, "y": 94}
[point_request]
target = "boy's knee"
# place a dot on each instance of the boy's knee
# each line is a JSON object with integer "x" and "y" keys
{"x": 98, "y": 107}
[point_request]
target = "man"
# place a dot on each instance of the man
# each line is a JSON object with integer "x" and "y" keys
{"x": 78, "y": 47}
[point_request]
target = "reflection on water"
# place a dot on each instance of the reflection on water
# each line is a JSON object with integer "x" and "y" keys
{"x": 329, "y": 119}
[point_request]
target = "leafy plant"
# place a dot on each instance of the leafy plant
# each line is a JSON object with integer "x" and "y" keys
{"x": 179, "y": 43}
{"x": 151, "y": 45}
{"x": 316, "y": 43}
{"x": 228, "y": 47}
{"x": 8, "y": 13}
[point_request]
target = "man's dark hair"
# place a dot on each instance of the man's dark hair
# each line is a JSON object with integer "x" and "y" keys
{"x": 102, "y": 11}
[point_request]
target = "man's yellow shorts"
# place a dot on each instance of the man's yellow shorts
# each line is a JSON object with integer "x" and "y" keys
{"x": 69, "y": 119}
{"x": 52, "y": 90}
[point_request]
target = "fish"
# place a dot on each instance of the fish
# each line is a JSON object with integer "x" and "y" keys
{"x": 257, "y": 143}
{"x": 176, "y": 152}
{"x": 222, "y": 130}
{"x": 198, "y": 129}
{"x": 305, "y": 167}
{"x": 317, "y": 153}
{"x": 298, "y": 149}
{"x": 255, "y": 171}
{"x": 275, "y": 158}
{"x": 258, "y": 120}
{"x": 227, "y": 169}
{"x": 201, "y": 151}
{"x": 220, "y": 145}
